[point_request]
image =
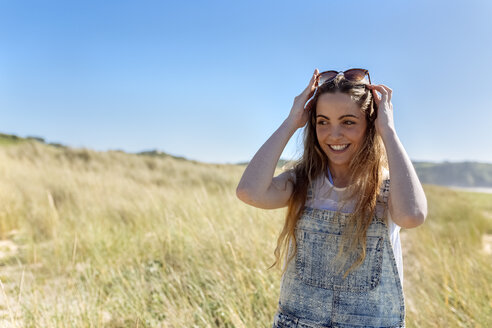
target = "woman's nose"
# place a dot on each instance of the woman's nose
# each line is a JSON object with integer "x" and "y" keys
{"x": 335, "y": 133}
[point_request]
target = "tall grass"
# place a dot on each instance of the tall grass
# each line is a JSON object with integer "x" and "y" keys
{"x": 93, "y": 239}
{"x": 447, "y": 277}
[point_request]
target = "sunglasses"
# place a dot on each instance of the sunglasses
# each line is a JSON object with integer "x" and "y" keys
{"x": 353, "y": 74}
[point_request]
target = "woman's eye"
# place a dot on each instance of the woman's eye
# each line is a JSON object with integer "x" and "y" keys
{"x": 321, "y": 123}
{"x": 349, "y": 122}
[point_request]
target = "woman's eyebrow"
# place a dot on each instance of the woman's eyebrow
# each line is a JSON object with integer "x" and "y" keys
{"x": 341, "y": 117}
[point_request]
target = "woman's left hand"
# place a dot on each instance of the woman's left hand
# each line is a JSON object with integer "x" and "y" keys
{"x": 384, "y": 121}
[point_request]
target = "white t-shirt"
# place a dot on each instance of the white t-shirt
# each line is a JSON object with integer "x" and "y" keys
{"x": 326, "y": 196}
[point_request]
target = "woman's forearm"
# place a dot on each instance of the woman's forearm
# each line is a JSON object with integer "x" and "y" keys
{"x": 259, "y": 173}
{"x": 408, "y": 201}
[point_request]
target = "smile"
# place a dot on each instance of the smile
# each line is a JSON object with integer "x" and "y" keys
{"x": 338, "y": 148}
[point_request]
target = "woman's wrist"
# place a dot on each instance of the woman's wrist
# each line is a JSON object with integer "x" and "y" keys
{"x": 388, "y": 134}
{"x": 290, "y": 125}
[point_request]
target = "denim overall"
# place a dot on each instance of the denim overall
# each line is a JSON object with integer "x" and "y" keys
{"x": 313, "y": 294}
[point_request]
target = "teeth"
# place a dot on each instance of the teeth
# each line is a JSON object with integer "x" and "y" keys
{"x": 339, "y": 147}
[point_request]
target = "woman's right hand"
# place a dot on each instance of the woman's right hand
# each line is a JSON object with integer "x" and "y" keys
{"x": 299, "y": 115}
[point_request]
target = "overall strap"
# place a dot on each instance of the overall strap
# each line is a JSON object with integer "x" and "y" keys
{"x": 310, "y": 192}
{"x": 385, "y": 191}
{"x": 382, "y": 202}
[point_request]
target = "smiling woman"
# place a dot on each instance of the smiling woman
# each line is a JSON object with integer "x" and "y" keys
{"x": 342, "y": 135}
{"x": 343, "y": 219}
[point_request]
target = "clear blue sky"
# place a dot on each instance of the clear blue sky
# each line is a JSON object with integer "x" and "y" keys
{"x": 212, "y": 80}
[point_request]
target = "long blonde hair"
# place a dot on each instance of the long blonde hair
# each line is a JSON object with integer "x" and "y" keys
{"x": 365, "y": 178}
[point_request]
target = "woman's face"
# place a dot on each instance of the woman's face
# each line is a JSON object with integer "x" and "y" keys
{"x": 340, "y": 127}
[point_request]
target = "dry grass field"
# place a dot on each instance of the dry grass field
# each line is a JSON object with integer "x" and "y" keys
{"x": 109, "y": 239}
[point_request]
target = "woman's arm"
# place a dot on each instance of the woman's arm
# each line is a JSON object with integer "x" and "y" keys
{"x": 257, "y": 186}
{"x": 407, "y": 201}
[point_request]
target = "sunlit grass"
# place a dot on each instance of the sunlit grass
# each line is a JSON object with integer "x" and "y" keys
{"x": 111, "y": 239}
{"x": 447, "y": 277}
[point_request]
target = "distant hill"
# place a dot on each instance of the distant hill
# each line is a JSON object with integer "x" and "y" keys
{"x": 458, "y": 174}
{"x": 158, "y": 153}
{"x": 8, "y": 139}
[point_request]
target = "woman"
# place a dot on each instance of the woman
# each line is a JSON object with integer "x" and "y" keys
{"x": 343, "y": 219}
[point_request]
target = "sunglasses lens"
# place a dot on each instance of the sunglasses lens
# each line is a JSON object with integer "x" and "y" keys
{"x": 355, "y": 74}
{"x": 326, "y": 76}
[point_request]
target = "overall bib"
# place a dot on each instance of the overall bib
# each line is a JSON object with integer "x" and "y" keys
{"x": 314, "y": 295}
